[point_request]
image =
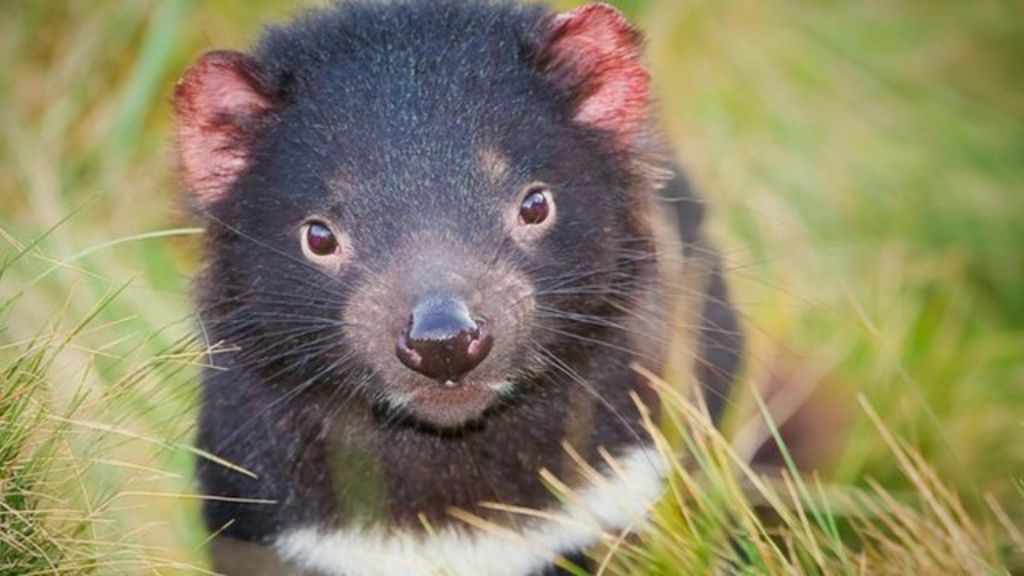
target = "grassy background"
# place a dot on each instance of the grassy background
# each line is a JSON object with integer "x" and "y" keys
{"x": 866, "y": 166}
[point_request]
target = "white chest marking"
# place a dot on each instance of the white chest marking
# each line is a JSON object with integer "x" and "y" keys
{"x": 619, "y": 501}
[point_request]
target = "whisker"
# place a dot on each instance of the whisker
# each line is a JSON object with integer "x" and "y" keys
{"x": 575, "y": 377}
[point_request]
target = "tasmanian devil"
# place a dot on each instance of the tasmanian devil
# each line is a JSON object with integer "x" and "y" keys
{"x": 440, "y": 238}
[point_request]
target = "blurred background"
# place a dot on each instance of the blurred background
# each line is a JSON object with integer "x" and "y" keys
{"x": 865, "y": 166}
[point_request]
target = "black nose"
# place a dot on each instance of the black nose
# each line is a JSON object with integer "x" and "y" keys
{"x": 443, "y": 341}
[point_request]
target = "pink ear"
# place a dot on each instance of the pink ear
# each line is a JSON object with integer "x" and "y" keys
{"x": 220, "y": 101}
{"x": 595, "y": 53}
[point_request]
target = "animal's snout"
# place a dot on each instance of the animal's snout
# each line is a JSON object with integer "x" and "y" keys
{"x": 443, "y": 341}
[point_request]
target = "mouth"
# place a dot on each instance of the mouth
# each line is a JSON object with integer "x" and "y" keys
{"x": 451, "y": 404}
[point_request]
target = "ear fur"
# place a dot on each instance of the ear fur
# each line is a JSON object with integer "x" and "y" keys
{"x": 220, "y": 102}
{"x": 595, "y": 54}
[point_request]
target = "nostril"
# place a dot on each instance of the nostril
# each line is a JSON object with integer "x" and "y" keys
{"x": 443, "y": 342}
{"x": 481, "y": 344}
{"x": 406, "y": 354}
{"x": 479, "y": 348}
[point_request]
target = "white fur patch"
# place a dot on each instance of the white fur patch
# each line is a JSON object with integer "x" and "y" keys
{"x": 618, "y": 501}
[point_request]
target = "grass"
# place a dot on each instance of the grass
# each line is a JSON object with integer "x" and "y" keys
{"x": 722, "y": 516}
{"x": 864, "y": 161}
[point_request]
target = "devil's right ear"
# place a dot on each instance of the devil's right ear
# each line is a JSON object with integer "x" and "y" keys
{"x": 221, "y": 102}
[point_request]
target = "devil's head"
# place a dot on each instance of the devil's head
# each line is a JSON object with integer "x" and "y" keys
{"x": 426, "y": 205}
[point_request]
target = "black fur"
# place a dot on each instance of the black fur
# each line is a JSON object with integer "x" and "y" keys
{"x": 720, "y": 337}
{"x": 384, "y": 110}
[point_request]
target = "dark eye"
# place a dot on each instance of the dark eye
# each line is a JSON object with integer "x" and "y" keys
{"x": 536, "y": 207}
{"x": 320, "y": 240}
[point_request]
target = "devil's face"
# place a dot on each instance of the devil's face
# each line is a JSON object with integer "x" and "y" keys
{"x": 430, "y": 227}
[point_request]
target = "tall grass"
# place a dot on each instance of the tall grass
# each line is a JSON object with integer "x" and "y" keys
{"x": 721, "y": 516}
{"x": 864, "y": 162}
{"x": 73, "y": 473}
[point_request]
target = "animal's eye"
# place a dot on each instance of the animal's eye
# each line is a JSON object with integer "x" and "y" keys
{"x": 319, "y": 239}
{"x": 536, "y": 206}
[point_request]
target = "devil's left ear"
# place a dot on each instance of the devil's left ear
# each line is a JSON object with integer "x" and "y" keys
{"x": 595, "y": 55}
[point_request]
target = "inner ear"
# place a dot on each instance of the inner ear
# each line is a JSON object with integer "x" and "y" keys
{"x": 595, "y": 55}
{"x": 221, "y": 102}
